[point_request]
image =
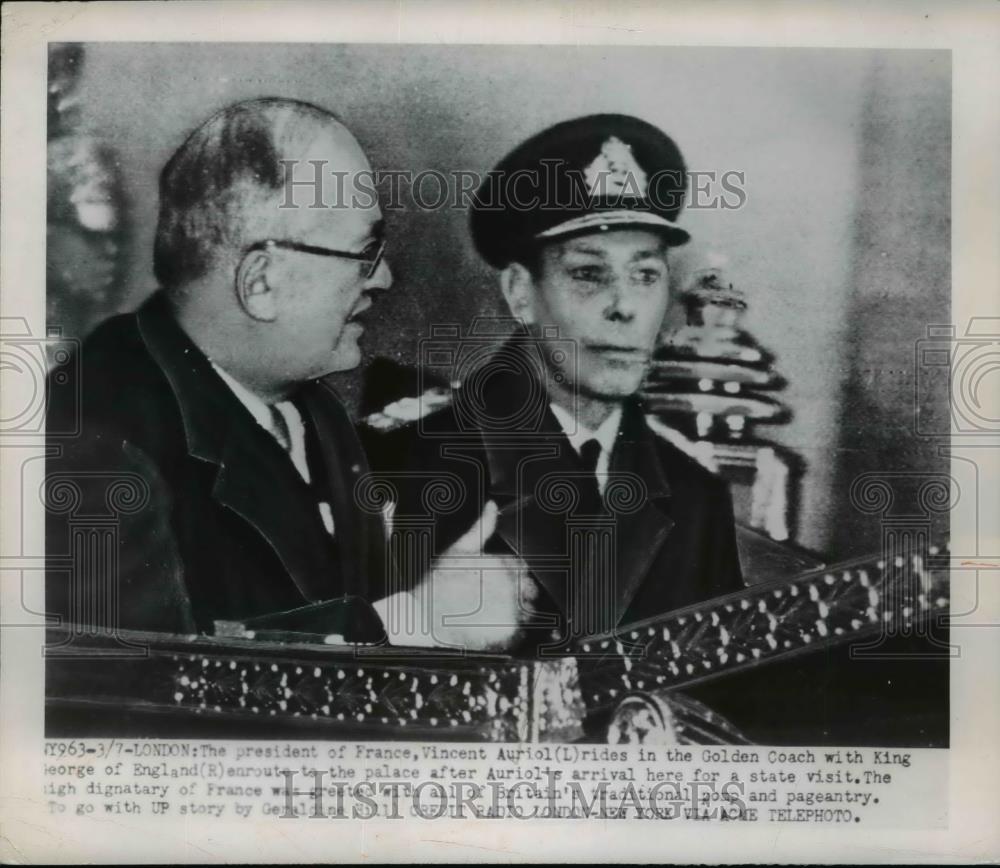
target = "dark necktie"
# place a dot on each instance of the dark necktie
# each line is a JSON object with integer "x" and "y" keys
{"x": 589, "y": 489}
{"x": 589, "y": 596}
{"x": 280, "y": 428}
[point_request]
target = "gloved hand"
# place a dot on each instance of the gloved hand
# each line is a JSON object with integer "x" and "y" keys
{"x": 469, "y": 599}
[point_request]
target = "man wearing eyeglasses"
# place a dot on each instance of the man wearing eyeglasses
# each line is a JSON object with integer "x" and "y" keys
{"x": 207, "y": 403}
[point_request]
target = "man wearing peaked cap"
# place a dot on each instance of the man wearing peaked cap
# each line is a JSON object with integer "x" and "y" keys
{"x": 584, "y": 175}
{"x": 612, "y": 523}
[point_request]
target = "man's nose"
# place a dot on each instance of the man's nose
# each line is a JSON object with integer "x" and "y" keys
{"x": 382, "y": 277}
{"x": 620, "y": 304}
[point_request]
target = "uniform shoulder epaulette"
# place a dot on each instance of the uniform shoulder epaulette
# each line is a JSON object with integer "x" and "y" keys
{"x": 408, "y": 410}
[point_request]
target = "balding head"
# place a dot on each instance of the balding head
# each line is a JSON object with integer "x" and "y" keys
{"x": 269, "y": 283}
{"x": 222, "y": 188}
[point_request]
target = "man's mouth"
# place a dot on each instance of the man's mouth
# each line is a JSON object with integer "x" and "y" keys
{"x": 358, "y": 314}
{"x": 620, "y": 352}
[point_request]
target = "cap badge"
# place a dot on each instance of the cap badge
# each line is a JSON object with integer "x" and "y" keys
{"x": 615, "y": 172}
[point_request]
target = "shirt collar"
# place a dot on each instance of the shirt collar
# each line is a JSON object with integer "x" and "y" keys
{"x": 256, "y": 405}
{"x": 578, "y": 434}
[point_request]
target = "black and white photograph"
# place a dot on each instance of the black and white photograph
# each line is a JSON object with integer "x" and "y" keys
{"x": 591, "y": 377}
{"x": 547, "y": 403}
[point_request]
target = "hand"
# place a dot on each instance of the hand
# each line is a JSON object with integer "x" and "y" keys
{"x": 470, "y": 599}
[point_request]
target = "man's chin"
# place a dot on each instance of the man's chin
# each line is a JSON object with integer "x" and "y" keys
{"x": 610, "y": 389}
{"x": 344, "y": 359}
{"x": 610, "y": 382}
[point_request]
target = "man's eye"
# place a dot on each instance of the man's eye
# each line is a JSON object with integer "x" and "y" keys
{"x": 588, "y": 273}
{"x": 369, "y": 251}
{"x": 649, "y": 276}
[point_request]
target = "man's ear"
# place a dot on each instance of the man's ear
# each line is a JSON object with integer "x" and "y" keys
{"x": 256, "y": 295}
{"x": 518, "y": 288}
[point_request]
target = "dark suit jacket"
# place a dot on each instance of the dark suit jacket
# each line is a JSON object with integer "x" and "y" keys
{"x": 665, "y": 537}
{"x": 211, "y": 518}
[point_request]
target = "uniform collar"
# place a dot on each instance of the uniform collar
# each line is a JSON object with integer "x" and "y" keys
{"x": 514, "y": 423}
{"x": 526, "y": 462}
{"x": 578, "y": 434}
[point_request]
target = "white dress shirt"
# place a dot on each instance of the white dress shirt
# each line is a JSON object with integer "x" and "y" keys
{"x": 296, "y": 447}
{"x": 605, "y": 435}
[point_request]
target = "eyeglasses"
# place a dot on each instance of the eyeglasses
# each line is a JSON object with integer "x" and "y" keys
{"x": 371, "y": 256}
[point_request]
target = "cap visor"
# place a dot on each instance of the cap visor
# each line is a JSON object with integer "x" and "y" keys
{"x": 601, "y": 221}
